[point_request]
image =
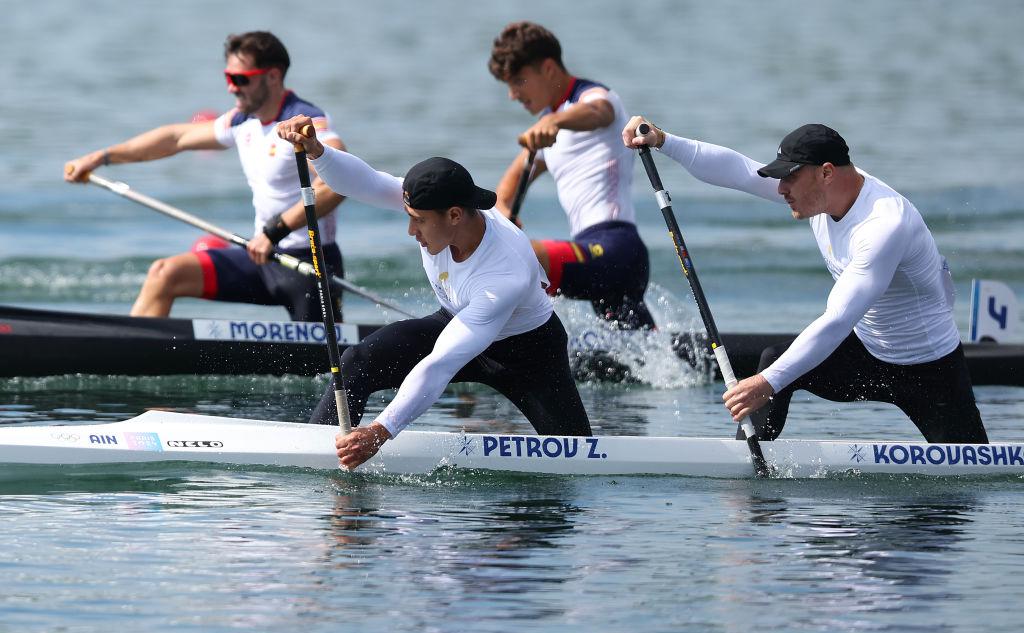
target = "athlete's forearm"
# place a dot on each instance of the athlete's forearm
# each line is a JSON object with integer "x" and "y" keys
{"x": 857, "y": 289}
{"x": 720, "y": 166}
{"x": 585, "y": 116}
{"x": 817, "y": 341}
{"x": 164, "y": 141}
{"x": 350, "y": 176}
{"x": 456, "y": 346}
{"x": 465, "y": 337}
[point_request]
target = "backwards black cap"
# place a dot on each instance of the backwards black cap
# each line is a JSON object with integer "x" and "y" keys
{"x": 811, "y": 144}
{"x": 440, "y": 183}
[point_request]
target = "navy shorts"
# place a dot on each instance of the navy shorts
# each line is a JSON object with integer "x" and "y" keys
{"x": 230, "y": 275}
{"x": 608, "y": 265}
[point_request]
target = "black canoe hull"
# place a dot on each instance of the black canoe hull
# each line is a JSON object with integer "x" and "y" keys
{"x": 48, "y": 342}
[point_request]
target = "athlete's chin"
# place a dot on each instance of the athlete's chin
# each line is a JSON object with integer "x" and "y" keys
{"x": 247, "y": 107}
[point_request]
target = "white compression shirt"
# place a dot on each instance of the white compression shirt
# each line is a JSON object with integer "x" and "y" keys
{"x": 892, "y": 288}
{"x": 269, "y": 163}
{"x": 497, "y": 293}
{"x": 593, "y": 170}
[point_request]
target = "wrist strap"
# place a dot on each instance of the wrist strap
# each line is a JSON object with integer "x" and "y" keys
{"x": 275, "y": 229}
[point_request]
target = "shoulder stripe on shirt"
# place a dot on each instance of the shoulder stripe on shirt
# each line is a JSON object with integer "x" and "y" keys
{"x": 581, "y": 86}
{"x": 291, "y": 105}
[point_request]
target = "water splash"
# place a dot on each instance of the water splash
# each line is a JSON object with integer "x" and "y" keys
{"x": 667, "y": 358}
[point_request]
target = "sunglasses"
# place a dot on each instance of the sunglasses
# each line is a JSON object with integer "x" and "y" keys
{"x": 241, "y": 79}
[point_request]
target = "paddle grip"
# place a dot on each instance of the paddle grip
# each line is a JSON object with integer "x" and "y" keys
{"x": 308, "y": 132}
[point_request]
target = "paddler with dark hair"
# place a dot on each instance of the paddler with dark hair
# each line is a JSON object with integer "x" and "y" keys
{"x": 496, "y": 325}
{"x": 256, "y": 65}
{"x": 887, "y": 333}
{"x": 576, "y": 139}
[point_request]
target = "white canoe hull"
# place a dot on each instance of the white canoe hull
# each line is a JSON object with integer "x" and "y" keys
{"x": 159, "y": 436}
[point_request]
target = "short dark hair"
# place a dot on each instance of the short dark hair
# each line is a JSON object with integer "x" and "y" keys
{"x": 522, "y": 44}
{"x": 263, "y": 47}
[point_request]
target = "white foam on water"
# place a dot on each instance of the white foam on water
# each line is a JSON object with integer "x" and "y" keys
{"x": 648, "y": 356}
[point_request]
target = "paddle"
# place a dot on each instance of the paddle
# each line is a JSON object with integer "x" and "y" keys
{"x": 283, "y": 259}
{"x": 665, "y": 202}
{"x": 524, "y": 182}
{"x": 309, "y": 202}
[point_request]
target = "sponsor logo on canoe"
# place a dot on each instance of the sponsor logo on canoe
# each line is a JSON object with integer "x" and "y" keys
{"x": 131, "y": 441}
{"x": 65, "y": 437}
{"x": 540, "y": 447}
{"x": 857, "y": 453}
{"x": 270, "y": 331}
{"x": 949, "y": 455}
{"x": 143, "y": 442}
{"x": 195, "y": 443}
{"x": 5, "y": 328}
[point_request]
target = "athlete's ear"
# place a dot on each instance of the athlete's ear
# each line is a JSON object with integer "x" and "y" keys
{"x": 455, "y": 215}
{"x": 827, "y": 171}
{"x": 548, "y": 68}
{"x": 274, "y": 73}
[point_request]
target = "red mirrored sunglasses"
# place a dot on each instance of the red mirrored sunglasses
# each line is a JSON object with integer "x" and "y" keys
{"x": 241, "y": 79}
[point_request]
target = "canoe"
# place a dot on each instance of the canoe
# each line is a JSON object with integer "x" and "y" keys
{"x": 165, "y": 437}
{"x": 48, "y": 342}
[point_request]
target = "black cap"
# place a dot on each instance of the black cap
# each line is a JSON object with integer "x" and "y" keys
{"x": 439, "y": 183}
{"x": 811, "y": 144}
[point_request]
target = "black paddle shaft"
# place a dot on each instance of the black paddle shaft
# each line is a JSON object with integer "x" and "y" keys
{"x": 665, "y": 202}
{"x": 524, "y": 182}
{"x": 323, "y": 288}
{"x": 677, "y": 239}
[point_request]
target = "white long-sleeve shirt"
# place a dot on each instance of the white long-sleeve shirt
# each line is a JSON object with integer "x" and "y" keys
{"x": 496, "y": 293}
{"x": 893, "y": 288}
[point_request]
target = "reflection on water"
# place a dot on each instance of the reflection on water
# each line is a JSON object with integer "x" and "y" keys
{"x": 404, "y": 553}
{"x": 862, "y": 558}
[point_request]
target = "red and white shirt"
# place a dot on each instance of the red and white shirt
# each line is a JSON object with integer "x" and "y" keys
{"x": 269, "y": 163}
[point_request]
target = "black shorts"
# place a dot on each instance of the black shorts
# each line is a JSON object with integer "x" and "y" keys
{"x": 530, "y": 369}
{"x": 230, "y": 275}
{"x": 608, "y": 265}
{"x": 937, "y": 396}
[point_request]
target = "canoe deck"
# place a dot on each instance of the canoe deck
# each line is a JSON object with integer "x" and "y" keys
{"x": 160, "y": 436}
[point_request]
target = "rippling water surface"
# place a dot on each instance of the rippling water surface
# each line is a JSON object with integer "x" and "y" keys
{"x": 927, "y": 93}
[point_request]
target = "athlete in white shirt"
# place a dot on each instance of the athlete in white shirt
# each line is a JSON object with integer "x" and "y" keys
{"x": 887, "y": 333}
{"x": 256, "y": 66}
{"x": 496, "y": 325}
{"x": 576, "y": 138}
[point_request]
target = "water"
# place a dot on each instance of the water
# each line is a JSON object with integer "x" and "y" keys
{"x": 927, "y": 93}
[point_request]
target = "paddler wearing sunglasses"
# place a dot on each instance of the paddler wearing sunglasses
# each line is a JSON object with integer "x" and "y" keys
{"x": 256, "y": 66}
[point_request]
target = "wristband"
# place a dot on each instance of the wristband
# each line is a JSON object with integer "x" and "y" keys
{"x": 106, "y": 157}
{"x": 275, "y": 229}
